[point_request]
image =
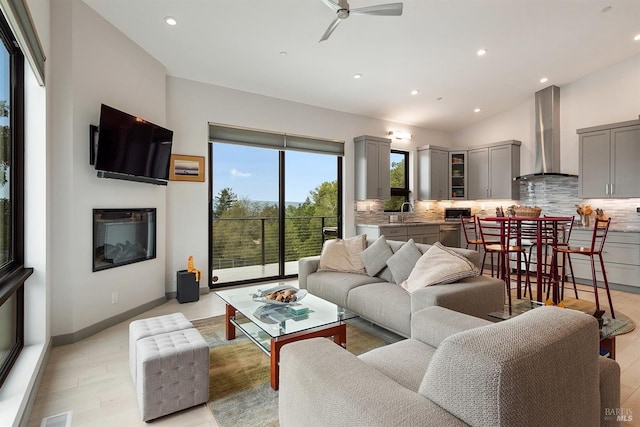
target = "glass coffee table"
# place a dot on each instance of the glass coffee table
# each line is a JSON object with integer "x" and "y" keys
{"x": 608, "y": 331}
{"x": 271, "y": 326}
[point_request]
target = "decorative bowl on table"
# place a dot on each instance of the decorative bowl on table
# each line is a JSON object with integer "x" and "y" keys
{"x": 280, "y": 295}
{"x": 527, "y": 211}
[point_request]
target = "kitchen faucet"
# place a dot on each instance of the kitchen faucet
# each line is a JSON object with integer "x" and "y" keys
{"x": 402, "y": 210}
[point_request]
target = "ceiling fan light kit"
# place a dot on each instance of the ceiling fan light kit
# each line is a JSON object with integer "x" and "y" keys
{"x": 342, "y": 10}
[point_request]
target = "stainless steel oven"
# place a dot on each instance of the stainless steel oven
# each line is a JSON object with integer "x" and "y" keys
{"x": 454, "y": 214}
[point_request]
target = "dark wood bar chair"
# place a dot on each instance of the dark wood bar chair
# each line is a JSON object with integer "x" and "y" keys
{"x": 497, "y": 237}
{"x": 600, "y": 230}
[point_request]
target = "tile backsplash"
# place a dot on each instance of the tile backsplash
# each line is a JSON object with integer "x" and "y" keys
{"x": 555, "y": 195}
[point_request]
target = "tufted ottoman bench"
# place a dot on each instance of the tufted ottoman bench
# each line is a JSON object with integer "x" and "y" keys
{"x": 143, "y": 328}
{"x": 172, "y": 372}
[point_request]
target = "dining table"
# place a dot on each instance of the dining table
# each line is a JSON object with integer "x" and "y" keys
{"x": 548, "y": 230}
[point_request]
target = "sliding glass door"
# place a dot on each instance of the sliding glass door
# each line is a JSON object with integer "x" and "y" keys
{"x": 269, "y": 208}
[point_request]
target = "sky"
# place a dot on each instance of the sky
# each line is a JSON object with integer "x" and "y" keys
{"x": 253, "y": 172}
{"x": 4, "y": 96}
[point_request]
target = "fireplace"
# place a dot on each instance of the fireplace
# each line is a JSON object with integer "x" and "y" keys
{"x": 123, "y": 236}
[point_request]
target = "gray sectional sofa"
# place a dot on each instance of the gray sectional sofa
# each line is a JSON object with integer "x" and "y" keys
{"x": 382, "y": 301}
{"x": 541, "y": 368}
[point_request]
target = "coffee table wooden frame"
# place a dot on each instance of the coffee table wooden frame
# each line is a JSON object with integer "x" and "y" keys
{"x": 337, "y": 330}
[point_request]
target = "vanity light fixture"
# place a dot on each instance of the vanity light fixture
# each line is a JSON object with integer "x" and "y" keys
{"x": 400, "y": 135}
{"x": 170, "y": 20}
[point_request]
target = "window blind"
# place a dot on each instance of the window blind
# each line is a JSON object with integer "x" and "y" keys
{"x": 275, "y": 140}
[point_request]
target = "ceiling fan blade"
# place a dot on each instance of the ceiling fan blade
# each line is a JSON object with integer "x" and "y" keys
{"x": 332, "y": 5}
{"x": 330, "y": 29}
{"x": 390, "y": 9}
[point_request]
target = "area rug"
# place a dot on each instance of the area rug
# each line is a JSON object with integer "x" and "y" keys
{"x": 240, "y": 393}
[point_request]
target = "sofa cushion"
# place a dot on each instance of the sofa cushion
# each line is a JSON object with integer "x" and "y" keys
{"x": 383, "y": 303}
{"x": 541, "y": 365}
{"x": 439, "y": 265}
{"x": 405, "y": 361}
{"x": 375, "y": 256}
{"x": 334, "y": 286}
{"x": 403, "y": 261}
{"x": 343, "y": 255}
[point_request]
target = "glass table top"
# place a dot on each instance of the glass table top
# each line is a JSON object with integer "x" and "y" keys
{"x": 609, "y": 328}
{"x": 279, "y": 320}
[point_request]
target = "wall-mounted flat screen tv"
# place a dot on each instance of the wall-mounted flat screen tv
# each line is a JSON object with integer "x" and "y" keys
{"x": 130, "y": 145}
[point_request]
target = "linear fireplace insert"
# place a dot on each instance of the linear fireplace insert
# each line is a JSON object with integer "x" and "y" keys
{"x": 123, "y": 236}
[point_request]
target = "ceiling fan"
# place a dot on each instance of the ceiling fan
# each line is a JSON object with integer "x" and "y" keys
{"x": 341, "y": 8}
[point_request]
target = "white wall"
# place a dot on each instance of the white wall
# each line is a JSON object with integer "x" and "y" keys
{"x": 92, "y": 63}
{"x": 607, "y": 96}
{"x": 192, "y": 105}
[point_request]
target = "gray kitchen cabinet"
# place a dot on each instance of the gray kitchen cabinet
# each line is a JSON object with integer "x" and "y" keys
{"x": 621, "y": 256}
{"x": 372, "y": 168}
{"x": 427, "y": 234}
{"x": 433, "y": 173}
{"x": 458, "y": 170}
{"x": 492, "y": 169}
{"x": 608, "y": 160}
{"x": 420, "y": 233}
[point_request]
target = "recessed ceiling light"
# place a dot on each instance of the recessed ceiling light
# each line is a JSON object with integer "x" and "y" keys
{"x": 637, "y": 37}
{"x": 482, "y": 52}
{"x": 544, "y": 80}
{"x": 415, "y": 92}
{"x": 357, "y": 76}
{"x": 606, "y": 9}
{"x": 283, "y": 53}
{"x": 477, "y": 110}
{"x": 439, "y": 98}
{"x": 170, "y": 20}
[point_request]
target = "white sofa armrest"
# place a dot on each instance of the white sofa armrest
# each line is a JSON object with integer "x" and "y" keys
{"x": 433, "y": 324}
{"x": 306, "y": 266}
{"x": 477, "y": 296}
{"x": 322, "y": 384}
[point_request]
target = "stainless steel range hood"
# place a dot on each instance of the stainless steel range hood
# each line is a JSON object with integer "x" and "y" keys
{"x": 547, "y": 105}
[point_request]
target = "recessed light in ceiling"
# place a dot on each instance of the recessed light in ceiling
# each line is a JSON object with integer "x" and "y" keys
{"x": 357, "y": 76}
{"x": 477, "y": 110}
{"x": 439, "y": 98}
{"x": 544, "y": 80}
{"x": 170, "y": 20}
{"x": 637, "y": 37}
{"x": 606, "y": 9}
{"x": 283, "y": 53}
{"x": 482, "y": 52}
{"x": 415, "y": 92}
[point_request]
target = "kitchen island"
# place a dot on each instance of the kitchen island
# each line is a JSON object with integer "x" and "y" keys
{"x": 427, "y": 232}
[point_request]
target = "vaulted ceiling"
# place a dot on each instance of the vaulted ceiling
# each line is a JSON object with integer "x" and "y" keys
{"x": 272, "y": 48}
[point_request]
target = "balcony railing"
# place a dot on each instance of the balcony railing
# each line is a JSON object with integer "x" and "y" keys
{"x": 242, "y": 242}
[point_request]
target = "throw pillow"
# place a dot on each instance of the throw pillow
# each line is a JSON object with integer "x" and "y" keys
{"x": 343, "y": 255}
{"x": 403, "y": 261}
{"x": 375, "y": 256}
{"x": 439, "y": 265}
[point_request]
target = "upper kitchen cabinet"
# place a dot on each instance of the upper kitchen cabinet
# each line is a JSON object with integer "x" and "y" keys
{"x": 372, "y": 167}
{"x": 608, "y": 160}
{"x": 433, "y": 173}
{"x": 458, "y": 171}
{"x": 491, "y": 171}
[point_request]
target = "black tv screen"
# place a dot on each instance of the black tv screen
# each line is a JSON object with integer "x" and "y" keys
{"x": 132, "y": 146}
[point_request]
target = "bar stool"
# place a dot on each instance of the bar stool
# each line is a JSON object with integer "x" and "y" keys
{"x": 600, "y": 230}
{"x": 504, "y": 233}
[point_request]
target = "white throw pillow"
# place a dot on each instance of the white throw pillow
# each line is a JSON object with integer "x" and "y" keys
{"x": 343, "y": 255}
{"x": 439, "y": 265}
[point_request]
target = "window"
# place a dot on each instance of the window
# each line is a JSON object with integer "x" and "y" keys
{"x": 12, "y": 272}
{"x": 399, "y": 181}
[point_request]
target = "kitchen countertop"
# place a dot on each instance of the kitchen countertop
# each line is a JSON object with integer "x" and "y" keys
{"x": 409, "y": 223}
{"x": 613, "y": 227}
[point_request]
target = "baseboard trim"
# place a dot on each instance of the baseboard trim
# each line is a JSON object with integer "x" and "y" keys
{"x": 104, "y": 324}
{"x": 33, "y": 393}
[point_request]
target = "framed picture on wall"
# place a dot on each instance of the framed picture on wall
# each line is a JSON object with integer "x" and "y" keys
{"x": 186, "y": 168}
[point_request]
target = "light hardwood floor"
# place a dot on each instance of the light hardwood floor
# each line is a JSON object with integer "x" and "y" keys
{"x": 91, "y": 377}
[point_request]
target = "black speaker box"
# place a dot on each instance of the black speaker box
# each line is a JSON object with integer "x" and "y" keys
{"x": 188, "y": 288}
